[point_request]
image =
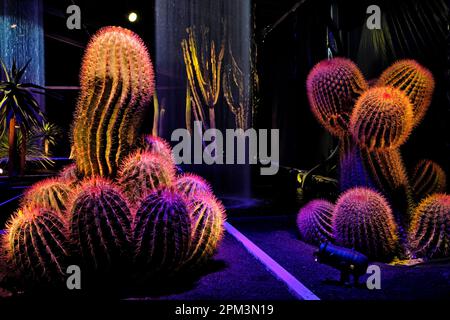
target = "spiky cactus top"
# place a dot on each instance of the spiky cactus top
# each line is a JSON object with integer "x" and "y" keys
{"x": 428, "y": 177}
{"x": 157, "y": 145}
{"x": 382, "y": 119}
{"x": 117, "y": 82}
{"x": 415, "y": 81}
{"x": 144, "y": 172}
{"x": 52, "y": 194}
{"x": 162, "y": 233}
{"x": 333, "y": 87}
{"x": 190, "y": 184}
{"x": 363, "y": 220}
{"x": 430, "y": 227}
{"x": 208, "y": 218}
{"x": 314, "y": 222}
{"x": 37, "y": 245}
{"x": 100, "y": 226}
{"x": 70, "y": 174}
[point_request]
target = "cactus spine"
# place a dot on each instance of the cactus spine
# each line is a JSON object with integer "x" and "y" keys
{"x": 314, "y": 222}
{"x": 430, "y": 228}
{"x": 363, "y": 220}
{"x": 428, "y": 178}
{"x": 208, "y": 218}
{"x": 191, "y": 184}
{"x": 101, "y": 226}
{"x": 117, "y": 82}
{"x": 37, "y": 245}
{"x": 162, "y": 233}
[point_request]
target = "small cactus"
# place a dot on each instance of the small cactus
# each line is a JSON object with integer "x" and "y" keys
{"x": 363, "y": 220}
{"x": 36, "y": 244}
{"x": 415, "y": 81}
{"x": 158, "y": 146}
{"x": 70, "y": 174}
{"x": 143, "y": 172}
{"x": 430, "y": 228}
{"x": 117, "y": 83}
{"x": 100, "y": 226}
{"x": 333, "y": 87}
{"x": 162, "y": 233}
{"x": 208, "y": 217}
{"x": 314, "y": 222}
{"x": 52, "y": 194}
{"x": 428, "y": 177}
{"x": 190, "y": 184}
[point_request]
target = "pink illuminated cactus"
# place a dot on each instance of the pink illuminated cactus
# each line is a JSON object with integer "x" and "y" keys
{"x": 314, "y": 222}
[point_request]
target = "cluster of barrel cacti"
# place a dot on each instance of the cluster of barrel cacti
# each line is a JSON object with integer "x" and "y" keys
{"x": 120, "y": 208}
{"x": 378, "y": 210}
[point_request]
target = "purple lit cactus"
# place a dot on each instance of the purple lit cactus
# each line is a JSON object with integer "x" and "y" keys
{"x": 314, "y": 222}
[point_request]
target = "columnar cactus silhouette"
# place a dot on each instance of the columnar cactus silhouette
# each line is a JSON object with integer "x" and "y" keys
{"x": 100, "y": 226}
{"x": 117, "y": 82}
{"x": 162, "y": 233}
{"x": 314, "y": 222}
{"x": 52, "y": 194}
{"x": 427, "y": 178}
{"x": 208, "y": 217}
{"x": 191, "y": 184}
{"x": 415, "y": 81}
{"x": 430, "y": 227}
{"x": 333, "y": 87}
{"x": 363, "y": 220}
{"x": 37, "y": 245}
{"x": 144, "y": 172}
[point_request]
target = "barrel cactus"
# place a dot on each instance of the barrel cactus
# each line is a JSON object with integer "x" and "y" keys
{"x": 208, "y": 218}
{"x": 37, "y": 246}
{"x": 117, "y": 82}
{"x": 143, "y": 172}
{"x": 333, "y": 87}
{"x": 100, "y": 226}
{"x": 157, "y": 145}
{"x": 427, "y": 178}
{"x": 363, "y": 220}
{"x": 52, "y": 194}
{"x": 162, "y": 233}
{"x": 430, "y": 228}
{"x": 191, "y": 184}
{"x": 314, "y": 222}
{"x": 70, "y": 174}
{"x": 415, "y": 81}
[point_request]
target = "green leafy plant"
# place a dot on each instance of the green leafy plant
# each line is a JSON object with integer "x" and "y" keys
{"x": 18, "y": 110}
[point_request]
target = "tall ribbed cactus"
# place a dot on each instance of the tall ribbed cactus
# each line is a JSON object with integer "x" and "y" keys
{"x": 415, "y": 81}
{"x": 37, "y": 245}
{"x": 52, "y": 194}
{"x": 314, "y": 222}
{"x": 381, "y": 122}
{"x": 333, "y": 87}
{"x": 208, "y": 217}
{"x": 427, "y": 178}
{"x": 191, "y": 184}
{"x": 144, "y": 172}
{"x": 100, "y": 226}
{"x": 430, "y": 228}
{"x": 363, "y": 220}
{"x": 162, "y": 233}
{"x": 117, "y": 82}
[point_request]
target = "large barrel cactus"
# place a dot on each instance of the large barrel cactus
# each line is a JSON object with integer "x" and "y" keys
{"x": 333, "y": 87}
{"x": 157, "y": 146}
{"x": 430, "y": 228}
{"x": 363, "y": 220}
{"x": 37, "y": 245}
{"x": 314, "y": 222}
{"x": 191, "y": 184}
{"x": 162, "y": 233}
{"x": 208, "y": 218}
{"x": 52, "y": 194}
{"x": 415, "y": 81}
{"x": 100, "y": 227}
{"x": 117, "y": 82}
{"x": 143, "y": 172}
{"x": 427, "y": 178}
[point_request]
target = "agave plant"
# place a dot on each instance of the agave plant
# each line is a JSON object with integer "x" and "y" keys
{"x": 49, "y": 133}
{"x": 18, "y": 110}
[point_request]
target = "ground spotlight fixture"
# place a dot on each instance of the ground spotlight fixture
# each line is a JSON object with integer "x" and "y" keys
{"x": 347, "y": 261}
{"x": 132, "y": 17}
